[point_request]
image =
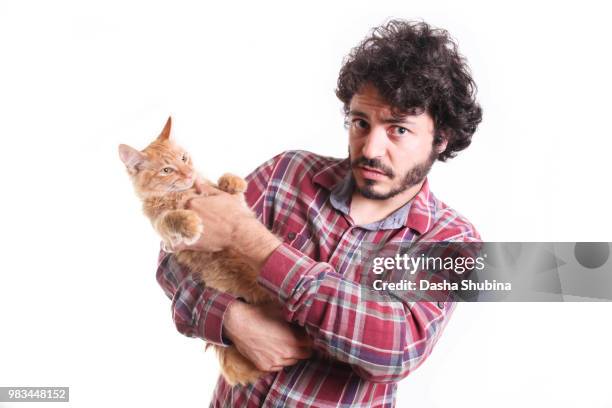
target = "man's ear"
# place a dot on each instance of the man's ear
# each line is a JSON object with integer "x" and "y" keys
{"x": 165, "y": 134}
{"x": 131, "y": 158}
{"x": 440, "y": 141}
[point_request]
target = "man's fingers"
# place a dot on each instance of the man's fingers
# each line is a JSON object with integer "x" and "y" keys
{"x": 198, "y": 185}
{"x": 189, "y": 203}
{"x": 293, "y": 356}
{"x": 192, "y": 202}
{"x": 285, "y": 363}
{"x": 298, "y": 353}
{"x": 210, "y": 196}
{"x": 204, "y": 188}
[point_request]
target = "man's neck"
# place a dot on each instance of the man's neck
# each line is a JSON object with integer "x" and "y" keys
{"x": 366, "y": 210}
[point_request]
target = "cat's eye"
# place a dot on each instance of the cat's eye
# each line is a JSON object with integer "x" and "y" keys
{"x": 185, "y": 158}
{"x": 167, "y": 170}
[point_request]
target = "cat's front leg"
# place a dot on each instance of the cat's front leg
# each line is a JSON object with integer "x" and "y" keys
{"x": 179, "y": 227}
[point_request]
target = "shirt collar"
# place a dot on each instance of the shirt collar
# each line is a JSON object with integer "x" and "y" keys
{"x": 417, "y": 214}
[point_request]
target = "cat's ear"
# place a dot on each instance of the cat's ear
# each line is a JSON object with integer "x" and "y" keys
{"x": 131, "y": 158}
{"x": 165, "y": 134}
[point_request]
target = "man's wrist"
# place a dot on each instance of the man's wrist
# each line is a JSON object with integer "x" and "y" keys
{"x": 252, "y": 240}
{"x": 230, "y": 319}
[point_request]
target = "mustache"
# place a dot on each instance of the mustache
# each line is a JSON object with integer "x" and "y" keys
{"x": 374, "y": 164}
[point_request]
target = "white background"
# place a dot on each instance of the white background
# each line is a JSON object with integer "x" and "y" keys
{"x": 79, "y": 304}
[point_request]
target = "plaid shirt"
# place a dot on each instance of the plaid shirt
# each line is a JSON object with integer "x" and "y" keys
{"x": 304, "y": 199}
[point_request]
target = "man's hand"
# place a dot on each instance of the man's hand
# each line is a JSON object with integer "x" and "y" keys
{"x": 229, "y": 224}
{"x": 262, "y": 335}
{"x": 221, "y": 215}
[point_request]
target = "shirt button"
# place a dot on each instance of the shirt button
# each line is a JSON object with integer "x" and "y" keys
{"x": 441, "y": 305}
{"x": 291, "y": 235}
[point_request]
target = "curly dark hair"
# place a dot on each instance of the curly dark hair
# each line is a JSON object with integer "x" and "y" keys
{"x": 416, "y": 68}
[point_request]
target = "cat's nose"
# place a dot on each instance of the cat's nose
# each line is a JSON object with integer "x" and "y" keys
{"x": 189, "y": 174}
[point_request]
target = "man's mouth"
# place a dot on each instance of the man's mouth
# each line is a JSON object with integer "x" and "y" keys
{"x": 372, "y": 169}
{"x": 372, "y": 173}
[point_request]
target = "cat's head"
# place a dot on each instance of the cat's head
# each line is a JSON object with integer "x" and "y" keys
{"x": 160, "y": 168}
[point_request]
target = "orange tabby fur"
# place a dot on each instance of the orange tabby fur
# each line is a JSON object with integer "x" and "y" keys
{"x": 164, "y": 193}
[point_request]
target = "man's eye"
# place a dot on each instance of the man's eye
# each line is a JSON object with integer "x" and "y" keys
{"x": 360, "y": 124}
{"x": 400, "y": 131}
{"x": 167, "y": 170}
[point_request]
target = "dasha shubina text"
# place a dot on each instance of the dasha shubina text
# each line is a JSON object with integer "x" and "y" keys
{"x": 406, "y": 285}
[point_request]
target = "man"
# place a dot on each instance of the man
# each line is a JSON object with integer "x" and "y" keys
{"x": 409, "y": 99}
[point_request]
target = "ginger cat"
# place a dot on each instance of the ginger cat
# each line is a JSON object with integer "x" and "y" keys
{"x": 163, "y": 177}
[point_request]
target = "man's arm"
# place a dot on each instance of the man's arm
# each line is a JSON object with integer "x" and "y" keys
{"x": 383, "y": 341}
{"x": 197, "y": 310}
{"x": 259, "y": 332}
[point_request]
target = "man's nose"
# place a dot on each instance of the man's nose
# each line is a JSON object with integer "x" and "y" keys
{"x": 375, "y": 144}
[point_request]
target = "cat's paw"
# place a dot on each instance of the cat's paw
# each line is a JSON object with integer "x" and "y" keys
{"x": 183, "y": 227}
{"x": 232, "y": 184}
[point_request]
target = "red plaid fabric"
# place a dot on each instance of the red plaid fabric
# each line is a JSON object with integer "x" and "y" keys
{"x": 304, "y": 199}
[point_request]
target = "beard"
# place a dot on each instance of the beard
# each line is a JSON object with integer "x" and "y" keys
{"x": 411, "y": 178}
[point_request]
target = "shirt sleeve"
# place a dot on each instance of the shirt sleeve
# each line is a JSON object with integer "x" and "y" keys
{"x": 197, "y": 310}
{"x": 383, "y": 341}
{"x": 258, "y": 184}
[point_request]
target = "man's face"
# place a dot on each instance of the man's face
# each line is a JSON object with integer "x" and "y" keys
{"x": 388, "y": 154}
